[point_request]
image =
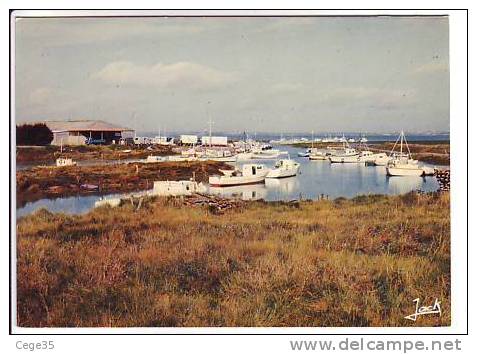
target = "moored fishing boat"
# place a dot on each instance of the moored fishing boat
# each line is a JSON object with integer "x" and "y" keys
{"x": 381, "y": 159}
{"x": 265, "y": 155}
{"x": 347, "y": 155}
{"x": 402, "y": 163}
{"x": 403, "y": 168}
{"x": 249, "y": 174}
{"x": 242, "y": 156}
{"x": 284, "y": 168}
{"x": 319, "y": 155}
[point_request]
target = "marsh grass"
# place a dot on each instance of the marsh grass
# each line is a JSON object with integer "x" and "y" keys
{"x": 357, "y": 262}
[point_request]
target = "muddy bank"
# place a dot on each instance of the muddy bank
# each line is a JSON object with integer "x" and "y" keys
{"x": 54, "y": 182}
{"x": 38, "y": 155}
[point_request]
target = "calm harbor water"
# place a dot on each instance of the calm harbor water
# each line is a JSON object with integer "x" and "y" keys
{"x": 316, "y": 179}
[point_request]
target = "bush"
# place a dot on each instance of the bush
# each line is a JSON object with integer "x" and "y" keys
{"x": 34, "y": 134}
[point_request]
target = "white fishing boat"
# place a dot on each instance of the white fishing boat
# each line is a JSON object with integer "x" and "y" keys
{"x": 346, "y": 155}
{"x": 318, "y": 155}
{"x": 402, "y": 163}
{"x": 403, "y": 168}
{"x": 177, "y": 188}
{"x": 220, "y": 155}
{"x": 265, "y": 155}
{"x": 266, "y": 151}
{"x": 363, "y": 139}
{"x": 250, "y": 174}
{"x": 308, "y": 151}
{"x": 63, "y": 162}
{"x": 243, "y": 156}
{"x": 284, "y": 168}
{"x": 362, "y": 157}
{"x": 366, "y": 155}
{"x": 380, "y": 159}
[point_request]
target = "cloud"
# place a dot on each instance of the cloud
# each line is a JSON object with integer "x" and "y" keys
{"x": 286, "y": 24}
{"x": 41, "y": 95}
{"x": 180, "y": 75}
{"x": 432, "y": 67}
{"x": 71, "y": 31}
{"x": 286, "y": 88}
{"x": 377, "y": 97}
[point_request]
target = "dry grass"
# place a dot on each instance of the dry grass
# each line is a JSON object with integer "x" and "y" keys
{"x": 356, "y": 262}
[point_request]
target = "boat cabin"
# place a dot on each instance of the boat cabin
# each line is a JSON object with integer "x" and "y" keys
{"x": 285, "y": 164}
{"x": 253, "y": 169}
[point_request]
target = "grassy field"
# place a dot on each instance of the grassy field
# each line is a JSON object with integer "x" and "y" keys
{"x": 357, "y": 262}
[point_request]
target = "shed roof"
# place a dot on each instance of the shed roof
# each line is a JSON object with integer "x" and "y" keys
{"x": 83, "y": 125}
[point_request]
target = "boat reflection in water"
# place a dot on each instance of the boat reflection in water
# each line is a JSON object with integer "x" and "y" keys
{"x": 284, "y": 188}
{"x": 405, "y": 185}
{"x": 245, "y": 192}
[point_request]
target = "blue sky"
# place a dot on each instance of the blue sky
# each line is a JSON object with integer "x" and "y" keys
{"x": 369, "y": 74}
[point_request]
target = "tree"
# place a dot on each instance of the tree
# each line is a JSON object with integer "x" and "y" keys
{"x": 34, "y": 134}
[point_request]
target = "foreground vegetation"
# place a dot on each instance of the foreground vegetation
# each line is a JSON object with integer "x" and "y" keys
{"x": 357, "y": 262}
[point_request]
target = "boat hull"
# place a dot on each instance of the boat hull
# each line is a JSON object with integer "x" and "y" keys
{"x": 399, "y": 171}
{"x": 232, "y": 182}
{"x": 380, "y": 161}
{"x": 244, "y": 156}
{"x": 318, "y": 157}
{"x": 229, "y": 181}
{"x": 222, "y": 159}
{"x": 265, "y": 156}
{"x": 278, "y": 173}
{"x": 345, "y": 159}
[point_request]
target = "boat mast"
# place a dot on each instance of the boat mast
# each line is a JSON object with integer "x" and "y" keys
{"x": 402, "y": 134}
{"x": 210, "y": 132}
{"x": 312, "y": 138}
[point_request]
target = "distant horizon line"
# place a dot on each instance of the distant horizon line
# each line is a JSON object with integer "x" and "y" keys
{"x": 336, "y": 133}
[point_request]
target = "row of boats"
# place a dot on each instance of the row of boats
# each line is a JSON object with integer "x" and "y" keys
{"x": 398, "y": 163}
{"x": 328, "y": 139}
{"x": 237, "y": 153}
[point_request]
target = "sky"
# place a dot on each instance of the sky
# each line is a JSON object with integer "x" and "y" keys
{"x": 254, "y": 74}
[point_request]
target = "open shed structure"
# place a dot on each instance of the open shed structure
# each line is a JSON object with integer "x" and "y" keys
{"x": 77, "y": 132}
